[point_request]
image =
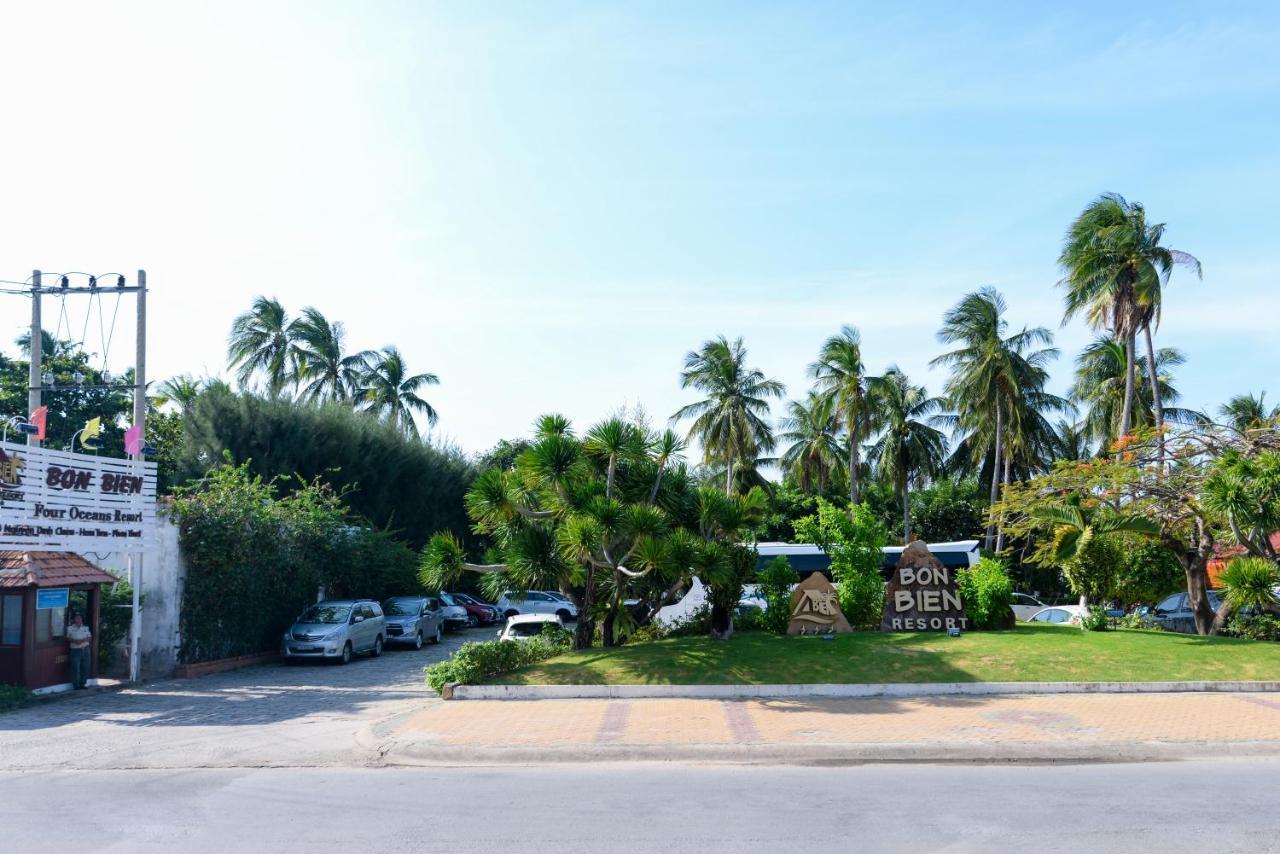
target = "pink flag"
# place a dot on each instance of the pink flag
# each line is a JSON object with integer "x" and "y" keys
{"x": 133, "y": 440}
{"x": 38, "y": 418}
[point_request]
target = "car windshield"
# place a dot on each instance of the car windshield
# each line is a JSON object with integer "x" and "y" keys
{"x": 526, "y": 630}
{"x": 464, "y": 598}
{"x": 402, "y": 607}
{"x": 447, "y": 599}
{"x": 326, "y": 614}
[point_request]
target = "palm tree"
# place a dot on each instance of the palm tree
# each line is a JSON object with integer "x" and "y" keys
{"x": 1099, "y": 388}
{"x": 909, "y": 451}
{"x": 1070, "y": 442}
{"x": 261, "y": 342}
{"x": 1245, "y": 412}
{"x": 997, "y": 383}
{"x": 731, "y": 421}
{"x": 387, "y": 389}
{"x": 325, "y": 370}
{"x": 1115, "y": 269}
{"x": 814, "y": 452}
{"x": 1250, "y": 583}
{"x": 50, "y": 346}
{"x": 182, "y": 390}
{"x": 840, "y": 375}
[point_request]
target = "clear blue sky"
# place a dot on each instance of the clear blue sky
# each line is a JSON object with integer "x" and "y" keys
{"x": 548, "y": 204}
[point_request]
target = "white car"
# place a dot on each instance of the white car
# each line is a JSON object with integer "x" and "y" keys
{"x": 1025, "y": 607}
{"x": 1069, "y": 615}
{"x": 536, "y": 602}
{"x": 525, "y": 626}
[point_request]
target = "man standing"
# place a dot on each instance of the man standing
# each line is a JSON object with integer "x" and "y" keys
{"x": 78, "y": 635}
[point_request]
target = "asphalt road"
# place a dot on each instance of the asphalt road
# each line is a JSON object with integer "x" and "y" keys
{"x": 1210, "y": 805}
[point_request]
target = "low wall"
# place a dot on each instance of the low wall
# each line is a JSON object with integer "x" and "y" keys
{"x": 204, "y": 668}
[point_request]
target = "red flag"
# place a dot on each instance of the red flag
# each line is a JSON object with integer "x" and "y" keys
{"x": 38, "y": 418}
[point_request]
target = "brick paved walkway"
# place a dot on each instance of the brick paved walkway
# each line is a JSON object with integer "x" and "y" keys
{"x": 1048, "y": 721}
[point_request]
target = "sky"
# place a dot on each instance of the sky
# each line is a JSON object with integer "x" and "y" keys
{"x": 548, "y": 204}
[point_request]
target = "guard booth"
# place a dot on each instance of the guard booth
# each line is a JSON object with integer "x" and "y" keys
{"x": 39, "y": 591}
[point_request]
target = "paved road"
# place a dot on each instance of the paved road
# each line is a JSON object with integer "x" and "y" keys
{"x": 1211, "y": 805}
{"x": 261, "y": 716}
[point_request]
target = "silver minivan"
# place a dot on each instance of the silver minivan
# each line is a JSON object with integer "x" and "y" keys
{"x": 336, "y": 629}
{"x": 413, "y": 619}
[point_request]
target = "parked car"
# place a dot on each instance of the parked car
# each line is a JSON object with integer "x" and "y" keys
{"x": 478, "y": 613}
{"x": 336, "y": 629}
{"x": 1059, "y": 614}
{"x": 1174, "y": 614}
{"x": 525, "y": 626}
{"x": 556, "y": 594}
{"x": 1025, "y": 607}
{"x": 413, "y": 619}
{"x": 455, "y": 616}
{"x": 536, "y": 602}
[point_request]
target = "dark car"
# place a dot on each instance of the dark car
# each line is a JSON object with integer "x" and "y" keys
{"x": 1174, "y": 613}
{"x": 478, "y": 613}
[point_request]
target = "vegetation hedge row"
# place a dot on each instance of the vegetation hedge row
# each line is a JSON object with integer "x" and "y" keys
{"x": 475, "y": 662}
{"x": 255, "y": 560}
{"x": 987, "y": 593}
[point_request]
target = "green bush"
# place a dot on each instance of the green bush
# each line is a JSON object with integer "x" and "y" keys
{"x": 114, "y": 618}
{"x": 1096, "y": 620}
{"x": 475, "y": 662}
{"x": 754, "y": 620}
{"x": 13, "y": 697}
{"x": 987, "y": 593}
{"x": 1262, "y": 627}
{"x": 854, "y": 541}
{"x": 775, "y": 582}
{"x": 695, "y": 624}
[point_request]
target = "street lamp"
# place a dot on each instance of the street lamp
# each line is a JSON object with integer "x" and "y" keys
{"x": 21, "y": 425}
{"x": 93, "y": 443}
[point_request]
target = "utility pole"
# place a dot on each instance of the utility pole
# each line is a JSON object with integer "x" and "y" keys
{"x": 37, "y": 353}
{"x": 140, "y": 420}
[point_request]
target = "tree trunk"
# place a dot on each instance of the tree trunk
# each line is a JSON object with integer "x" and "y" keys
{"x": 728, "y": 476}
{"x": 721, "y": 620}
{"x": 995, "y": 473}
{"x": 607, "y": 629}
{"x": 1000, "y": 521}
{"x": 584, "y": 632}
{"x": 1154, "y": 378}
{"x": 855, "y": 494}
{"x": 1198, "y": 593}
{"x": 906, "y": 514}
{"x": 1126, "y": 417}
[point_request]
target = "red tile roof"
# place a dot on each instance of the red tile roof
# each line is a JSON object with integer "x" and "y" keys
{"x": 49, "y": 569}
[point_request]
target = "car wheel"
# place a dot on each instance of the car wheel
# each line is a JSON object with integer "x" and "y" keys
{"x": 417, "y": 640}
{"x": 346, "y": 654}
{"x": 377, "y": 647}
{"x": 472, "y": 622}
{"x": 439, "y": 635}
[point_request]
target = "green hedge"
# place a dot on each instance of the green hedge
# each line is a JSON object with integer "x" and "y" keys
{"x": 475, "y": 662}
{"x": 987, "y": 593}
{"x": 255, "y": 561}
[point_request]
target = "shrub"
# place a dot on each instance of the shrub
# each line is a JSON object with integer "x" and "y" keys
{"x": 114, "y": 618}
{"x": 854, "y": 542}
{"x": 648, "y": 634}
{"x": 987, "y": 593}
{"x": 1136, "y": 621}
{"x": 1261, "y": 627}
{"x": 695, "y": 624}
{"x": 1095, "y": 620}
{"x": 475, "y": 662}
{"x": 754, "y": 620}
{"x": 13, "y": 697}
{"x": 775, "y": 582}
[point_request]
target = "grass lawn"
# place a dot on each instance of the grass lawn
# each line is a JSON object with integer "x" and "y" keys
{"x": 1025, "y": 654}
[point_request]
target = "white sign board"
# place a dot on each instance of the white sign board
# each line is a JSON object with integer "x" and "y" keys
{"x": 57, "y": 501}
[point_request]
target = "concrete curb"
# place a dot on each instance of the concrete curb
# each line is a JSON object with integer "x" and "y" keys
{"x": 887, "y": 689}
{"x": 413, "y": 753}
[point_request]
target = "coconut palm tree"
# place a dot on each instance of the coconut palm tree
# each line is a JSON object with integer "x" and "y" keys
{"x": 1114, "y": 271}
{"x": 1245, "y": 412}
{"x": 731, "y": 421}
{"x": 182, "y": 390}
{"x": 812, "y": 451}
{"x": 1070, "y": 442}
{"x": 50, "y": 346}
{"x": 1099, "y": 389}
{"x": 840, "y": 375}
{"x": 996, "y": 388}
{"x": 909, "y": 452}
{"x": 261, "y": 342}
{"x": 388, "y": 390}
{"x": 325, "y": 370}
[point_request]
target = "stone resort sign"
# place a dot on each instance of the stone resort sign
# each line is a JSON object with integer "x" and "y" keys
{"x": 815, "y": 608}
{"x": 57, "y": 501}
{"x": 922, "y": 595}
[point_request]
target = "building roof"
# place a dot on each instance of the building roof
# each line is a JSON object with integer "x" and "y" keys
{"x": 49, "y": 569}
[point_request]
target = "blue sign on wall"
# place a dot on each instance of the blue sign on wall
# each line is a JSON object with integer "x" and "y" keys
{"x": 53, "y": 597}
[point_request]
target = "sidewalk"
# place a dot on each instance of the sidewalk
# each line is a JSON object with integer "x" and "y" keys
{"x": 1072, "y": 727}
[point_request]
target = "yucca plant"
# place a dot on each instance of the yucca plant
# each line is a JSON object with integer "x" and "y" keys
{"x": 1250, "y": 584}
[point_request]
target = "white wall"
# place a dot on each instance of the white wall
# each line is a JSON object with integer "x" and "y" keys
{"x": 163, "y": 577}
